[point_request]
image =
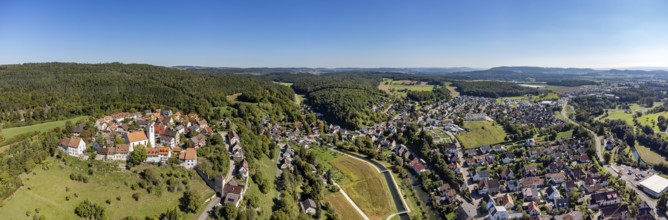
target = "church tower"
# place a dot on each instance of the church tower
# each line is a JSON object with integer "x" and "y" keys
{"x": 151, "y": 134}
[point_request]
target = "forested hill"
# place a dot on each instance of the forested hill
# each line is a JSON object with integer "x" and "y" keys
{"x": 47, "y": 91}
{"x": 346, "y": 98}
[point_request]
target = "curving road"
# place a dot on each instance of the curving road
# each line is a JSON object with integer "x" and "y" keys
{"x": 597, "y": 140}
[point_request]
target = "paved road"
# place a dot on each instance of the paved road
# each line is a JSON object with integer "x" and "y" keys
{"x": 209, "y": 207}
{"x": 627, "y": 179}
{"x": 597, "y": 140}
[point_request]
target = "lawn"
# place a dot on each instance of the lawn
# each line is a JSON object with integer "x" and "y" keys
{"x": 619, "y": 114}
{"x": 341, "y": 206}
{"x": 565, "y": 135}
{"x": 480, "y": 133}
{"x": 10, "y": 133}
{"x": 649, "y": 156}
{"x": 366, "y": 187}
{"x": 47, "y": 190}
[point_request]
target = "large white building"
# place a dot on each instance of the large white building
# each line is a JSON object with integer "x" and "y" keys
{"x": 655, "y": 185}
{"x": 74, "y": 146}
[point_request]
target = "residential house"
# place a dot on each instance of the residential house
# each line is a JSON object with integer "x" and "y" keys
{"x": 552, "y": 193}
{"x": 73, "y": 146}
{"x": 480, "y": 175}
{"x": 512, "y": 185}
{"x": 498, "y": 213}
{"x": 615, "y": 212}
{"x": 506, "y": 201}
{"x": 119, "y": 153}
{"x": 532, "y": 182}
{"x": 158, "y": 154}
{"x": 189, "y": 157}
{"x": 233, "y": 192}
{"x": 530, "y": 194}
{"x": 530, "y": 171}
{"x": 556, "y": 178}
{"x": 198, "y": 141}
{"x": 308, "y": 206}
{"x": 243, "y": 169}
{"x": 560, "y": 203}
{"x": 484, "y": 149}
{"x": 533, "y": 209}
{"x": 508, "y": 158}
{"x": 507, "y": 174}
{"x": 605, "y": 198}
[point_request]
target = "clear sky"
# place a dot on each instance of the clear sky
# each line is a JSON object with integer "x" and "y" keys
{"x": 338, "y": 33}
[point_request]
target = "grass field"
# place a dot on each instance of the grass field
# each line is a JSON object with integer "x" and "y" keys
{"x": 299, "y": 99}
{"x": 651, "y": 119}
{"x": 288, "y": 84}
{"x": 481, "y": 133}
{"x": 649, "y": 156}
{"x": 341, "y": 206}
{"x": 10, "y": 133}
{"x": 46, "y": 190}
{"x": 366, "y": 187}
{"x": 453, "y": 90}
{"x": 397, "y": 86}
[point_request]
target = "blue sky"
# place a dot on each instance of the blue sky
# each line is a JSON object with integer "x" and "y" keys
{"x": 322, "y": 33}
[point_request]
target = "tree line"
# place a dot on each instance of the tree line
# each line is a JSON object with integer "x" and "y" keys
{"x": 493, "y": 89}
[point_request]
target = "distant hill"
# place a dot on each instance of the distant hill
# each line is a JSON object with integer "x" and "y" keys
{"x": 267, "y": 70}
{"x": 531, "y": 69}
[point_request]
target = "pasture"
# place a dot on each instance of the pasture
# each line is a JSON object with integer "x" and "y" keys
{"x": 480, "y": 133}
{"x": 55, "y": 195}
{"x": 649, "y": 156}
{"x": 11, "y": 133}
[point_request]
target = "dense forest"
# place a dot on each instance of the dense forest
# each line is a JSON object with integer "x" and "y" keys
{"x": 493, "y": 89}
{"x": 571, "y": 83}
{"x": 50, "y": 91}
{"x": 346, "y": 98}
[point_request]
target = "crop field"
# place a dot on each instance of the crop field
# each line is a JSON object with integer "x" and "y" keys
{"x": 52, "y": 193}
{"x": 481, "y": 133}
{"x": 341, "y": 206}
{"x": 366, "y": 187}
{"x": 11, "y": 133}
{"x": 453, "y": 90}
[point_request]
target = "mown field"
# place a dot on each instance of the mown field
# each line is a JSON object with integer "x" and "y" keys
{"x": 11, "y": 133}
{"x": 649, "y": 156}
{"x": 46, "y": 191}
{"x": 397, "y": 87}
{"x": 341, "y": 206}
{"x": 366, "y": 187}
{"x": 480, "y": 133}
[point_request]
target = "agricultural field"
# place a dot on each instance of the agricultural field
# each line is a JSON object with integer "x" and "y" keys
{"x": 48, "y": 190}
{"x": 398, "y": 87}
{"x": 480, "y": 133}
{"x": 11, "y": 133}
{"x": 366, "y": 187}
{"x": 341, "y": 206}
{"x": 649, "y": 156}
